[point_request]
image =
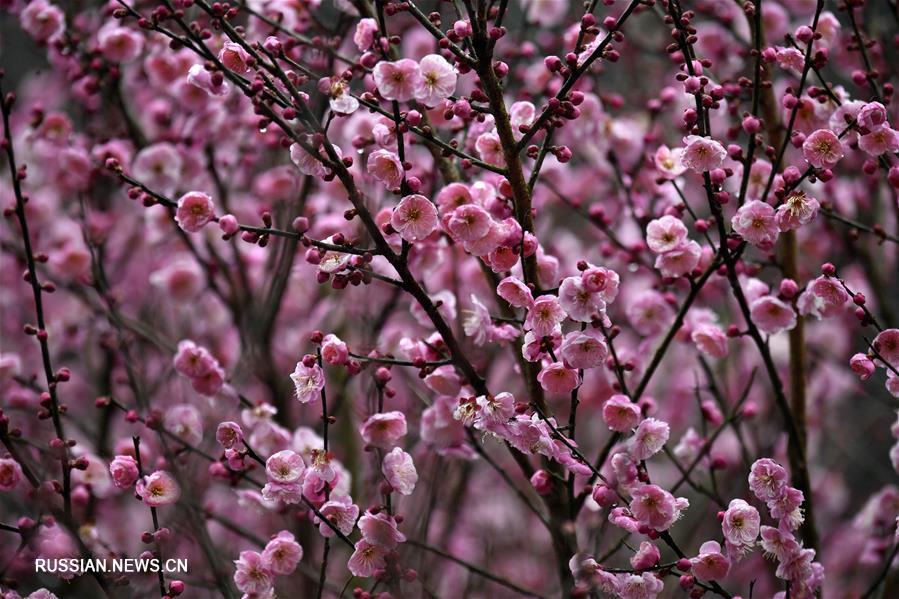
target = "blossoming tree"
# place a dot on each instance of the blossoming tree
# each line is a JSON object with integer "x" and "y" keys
{"x": 461, "y": 298}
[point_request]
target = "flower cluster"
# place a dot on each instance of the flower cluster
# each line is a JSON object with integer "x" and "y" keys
{"x": 414, "y": 298}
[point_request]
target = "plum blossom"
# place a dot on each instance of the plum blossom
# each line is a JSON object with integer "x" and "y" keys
{"x": 822, "y": 149}
{"x": 755, "y": 222}
{"x": 796, "y": 210}
{"x": 235, "y": 57}
{"x": 740, "y": 525}
{"x": 399, "y": 470}
{"x": 771, "y": 315}
{"x": 158, "y": 489}
{"x": 381, "y": 529}
{"x": 11, "y": 474}
{"x": 887, "y": 345}
{"x": 710, "y": 564}
{"x": 620, "y": 413}
{"x": 367, "y": 558}
{"x": 437, "y": 81}
{"x": 251, "y": 576}
{"x": 656, "y": 508}
{"x": 556, "y": 378}
{"x": 341, "y": 513}
{"x": 398, "y": 80}
{"x": 282, "y": 554}
{"x": 43, "y": 21}
{"x": 669, "y": 162}
{"x": 665, "y": 234}
{"x": 702, "y": 154}
{"x": 309, "y": 381}
{"x": 649, "y": 438}
{"x": 414, "y": 218}
{"x": 385, "y": 166}
{"x": 880, "y": 141}
{"x": 710, "y": 340}
{"x": 195, "y": 209}
{"x": 583, "y": 349}
{"x": 383, "y": 429}
{"x": 578, "y": 302}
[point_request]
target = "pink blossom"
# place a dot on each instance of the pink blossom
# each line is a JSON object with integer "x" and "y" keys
{"x": 284, "y": 467}
{"x": 10, "y": 474}
{"x": 494, "y": 411}
{"x": 710, "y": 340}
{"x": 642, "y": 586}
{"x": 872, "y": 116}
{"x": 771, "y": 315}
{"x": 583, "y": 349}
{"x": 214, "y": 85}
{"x": 341, "y": 512}
{"x": 556, "y": 378}
{"x": 251, "y": 575}
{"x": 740, "y": 524}
{"x": 282, "y": 554}
{"x": 123, "y": 469}
{"x": 381, "y": 529}
{"x": 365, "y": 34}
{"x": 620, "y": 413}
{"x": 797, "y": 209}
{"x": 437, "y": 81}
{"x": 755, "y": 222}
{"x": 367, "y": 559}
{"x": 862, "y": 365}
{"x": 669, "y": 162}
{"x": 680, "y": 261}
{"x": 398, "y": 80}
{"x": 469, "y": 222}
{"x": 649, "y": 313}
{"x": 195, "y": 209}
{"x": 665, "y": 234}
{"x": 767, "y": 479}
{"x": 385, "y": 166}
{"x": 822, "y": 149}
{"x": 158, "y": 489}
{"x": 649, "y": 438}
{"x": 646, "y": 556}
{"x": 340, "y": 98}
{"x": 383, "y": 429}
{"x": 880, "y": 141}
{"x": 702, "y": 153}
{"x": 887, "y": 345}
{"x": 235, "y": 57}
{"x": 654, "y": 507}
{"x": 710, "y": 564}
{"x": 158, "y": 166}
{"x": 515, "y": 292}
{"x": 181, "y": 280}
{"x": 43, "y": 21}
{"x": 544, "y": 316}
{"x": 579, "y": 303}
{"x": 308, "y": 163}
{"x": 309, "y": 381}
{"x": 184, "y": 422}
{"x": 601, "y": 280}
{"x": 228, "y": 434}
{"x": 334, "y": 351}
{"x": 778, "y": 542}
{"x": 414, "y": 218}
{"x": 490, "y": 148}
{"x": 120, "y": 44}
{"x": 786, "y": 508}
{"x": 399, "y": 470}
{"x": 192, "y": 360}
{"x": 444, "y": 380}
